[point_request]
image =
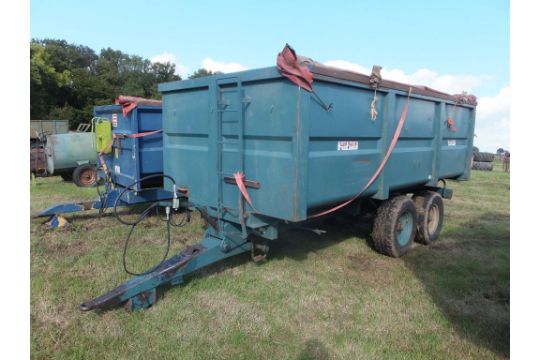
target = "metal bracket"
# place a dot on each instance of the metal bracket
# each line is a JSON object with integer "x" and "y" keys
{"x": 249, "y": 183}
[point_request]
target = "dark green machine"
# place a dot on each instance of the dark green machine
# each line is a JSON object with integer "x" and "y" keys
{"x": 72, "y": 156}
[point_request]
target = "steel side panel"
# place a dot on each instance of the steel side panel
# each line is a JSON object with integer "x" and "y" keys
{"x": 456, "y": 144}
{"x": 150, "y": 148}
{"x": 335, "y": 174}
{"x": 191, "y": 117}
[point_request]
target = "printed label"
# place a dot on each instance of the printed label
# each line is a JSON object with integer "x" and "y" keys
{"x": 114, "y": 120}
{"x": 451, "y": 142}
{"x": 117, "y": 169}
{"x": 347, "y": 145}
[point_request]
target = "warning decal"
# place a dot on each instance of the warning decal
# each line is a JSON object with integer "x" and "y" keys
{"x": 451, "y": 142}
{"x": 347, "y": 145}
{"x": 114, "y": 120}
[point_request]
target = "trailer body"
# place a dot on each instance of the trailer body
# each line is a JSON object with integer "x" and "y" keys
{"x": 133, "y": 158}
{"x": 301, "y": 156}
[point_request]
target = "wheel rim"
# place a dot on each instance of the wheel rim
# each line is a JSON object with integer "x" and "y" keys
{"x": 404, "y": 228}
{"x": 433, "y": 218}
{"x": 88, "y": 177}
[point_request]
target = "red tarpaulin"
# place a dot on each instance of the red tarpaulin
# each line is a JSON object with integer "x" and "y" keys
{"x": 287, "y": 63}
{"x": 130, "y": 102}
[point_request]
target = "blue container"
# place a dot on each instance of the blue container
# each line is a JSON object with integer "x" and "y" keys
{"x": 134, "y": 158}
{"x": 302, "y": 157}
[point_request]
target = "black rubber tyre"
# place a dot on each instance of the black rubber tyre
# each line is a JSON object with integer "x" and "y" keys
{"x": 484, "y": 157}
{"x": 394, "y": 216}
{"x": 430, "y": 210}
{"x": 85, "y": 176}
{"x": 67, "y": 177}
{"x": 482, "y": 166}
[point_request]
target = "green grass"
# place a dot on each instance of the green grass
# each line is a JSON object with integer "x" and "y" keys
{"x": 317, "y": 297}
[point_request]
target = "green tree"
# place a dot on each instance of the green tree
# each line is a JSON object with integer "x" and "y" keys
{"x": 68, "y": 80}
{"x": 202, "y": 73}
{"x": 45, "y": 81}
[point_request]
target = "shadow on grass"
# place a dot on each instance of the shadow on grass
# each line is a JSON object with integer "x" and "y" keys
{"x": 314, "y": 349}
{"x": 467, "y": 274}
{"x": 293, "y": 243}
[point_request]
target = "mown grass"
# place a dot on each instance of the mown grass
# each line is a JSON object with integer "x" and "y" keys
{"x": 317, "y": 297}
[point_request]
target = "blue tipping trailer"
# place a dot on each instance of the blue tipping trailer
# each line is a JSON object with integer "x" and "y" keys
{"x": 258, "y": 153}
{"x": 133, "y": 158}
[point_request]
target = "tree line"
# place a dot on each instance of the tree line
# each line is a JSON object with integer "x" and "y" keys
{"x": 68, "y": 80}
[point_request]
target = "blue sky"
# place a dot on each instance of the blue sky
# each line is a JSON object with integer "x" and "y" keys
{"x": 451, "y": 45}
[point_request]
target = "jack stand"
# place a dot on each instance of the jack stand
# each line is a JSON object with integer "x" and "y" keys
{"x": 57, "y": 221}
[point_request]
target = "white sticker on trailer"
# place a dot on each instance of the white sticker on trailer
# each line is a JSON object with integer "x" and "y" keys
{"x": 451, "y": 142}
{"x": 115, "y": 120}
{"x": 347, "y": 145}
{"x": 117, "y": 169}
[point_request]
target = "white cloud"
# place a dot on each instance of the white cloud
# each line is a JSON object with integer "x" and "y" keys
{"x": 453, "y": 84}
{"x": 493, "y": 121}
{"x": 343, "y": 64}
{"x": 224, "y": 67}
{"x": 181, "y": 69}
{"x": 207, "y": 63}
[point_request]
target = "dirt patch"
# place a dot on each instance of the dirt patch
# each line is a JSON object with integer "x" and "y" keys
{"x": 360, "y": 261}
{"x": 75, "y": 248}
{"x": 48, "y": 313}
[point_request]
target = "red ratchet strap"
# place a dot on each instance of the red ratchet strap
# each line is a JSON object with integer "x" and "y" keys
{"x": 381, "y": 166}
{"x": 137, "y": 135}
{"x": 287, "y": 63}
{"x": 239, "y": 177}
{"x": 450, "y": 123}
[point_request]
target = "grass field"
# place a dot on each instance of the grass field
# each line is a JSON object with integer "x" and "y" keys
{"x": 316, "y": 297}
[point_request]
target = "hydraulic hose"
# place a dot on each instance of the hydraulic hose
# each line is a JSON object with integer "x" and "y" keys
{"x": 155, "y": 205}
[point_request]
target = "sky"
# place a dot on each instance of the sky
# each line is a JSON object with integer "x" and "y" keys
{"x": 452, "y": 46}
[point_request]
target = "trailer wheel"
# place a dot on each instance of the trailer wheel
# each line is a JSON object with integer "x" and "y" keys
{"x": 85, "y": 175}
{"x": 394, "y": 227}
{"x": 430, "y": 210}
